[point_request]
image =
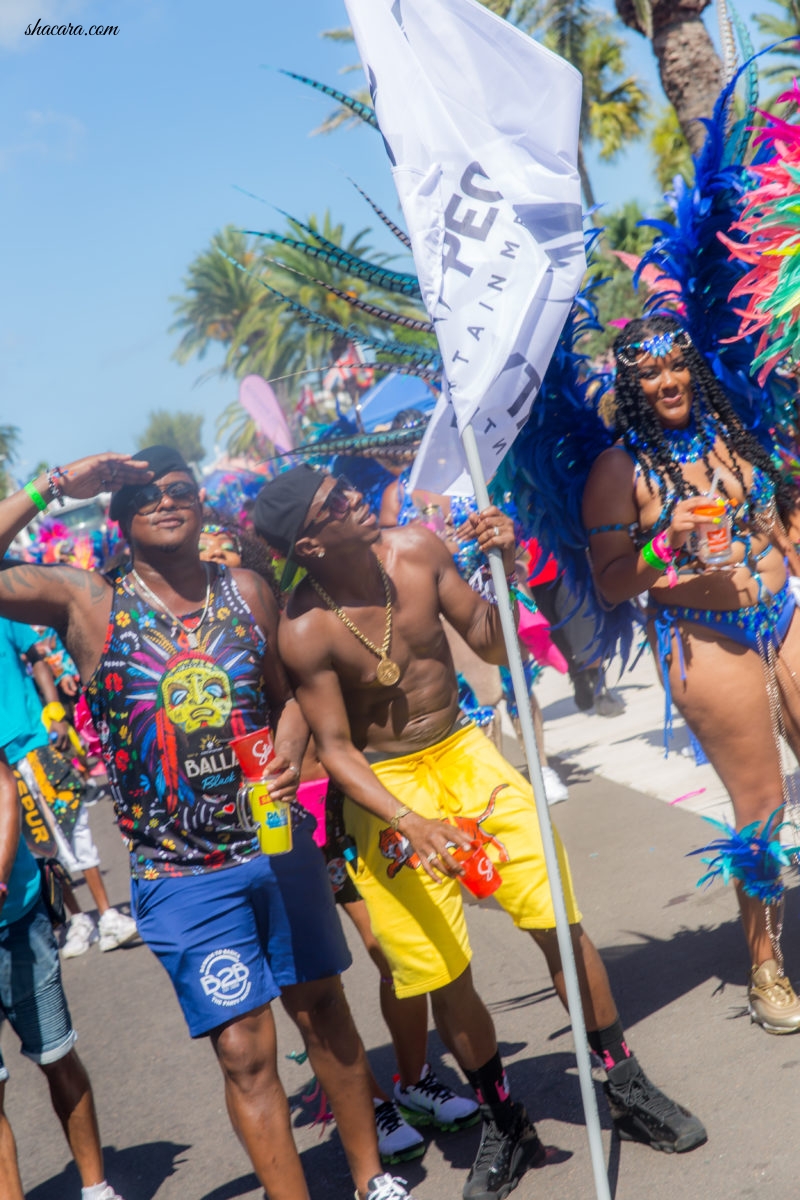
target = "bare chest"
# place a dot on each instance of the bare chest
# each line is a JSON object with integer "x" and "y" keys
{"x": 405, "y": 633}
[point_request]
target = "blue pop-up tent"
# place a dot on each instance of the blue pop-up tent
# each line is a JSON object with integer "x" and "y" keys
{"x": 389, "y": 397}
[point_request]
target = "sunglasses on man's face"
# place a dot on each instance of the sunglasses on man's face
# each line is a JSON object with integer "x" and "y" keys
{"x": 335, "y": 506}
{"x": 182, "y": 493}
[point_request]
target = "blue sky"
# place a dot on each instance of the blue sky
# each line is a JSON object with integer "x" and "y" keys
{"x": 118, "y": 160}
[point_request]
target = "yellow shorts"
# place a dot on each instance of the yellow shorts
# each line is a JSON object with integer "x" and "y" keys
{"x": 420, "y": 924}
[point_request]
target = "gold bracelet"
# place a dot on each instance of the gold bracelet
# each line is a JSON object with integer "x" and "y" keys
{"x": 401, "y": 812}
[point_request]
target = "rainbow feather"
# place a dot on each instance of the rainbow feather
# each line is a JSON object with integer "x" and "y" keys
{"x": 769, "y": 245}
{"x": 695, "y": 254}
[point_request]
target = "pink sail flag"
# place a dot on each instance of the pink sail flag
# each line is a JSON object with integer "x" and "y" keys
{"x": 258, "y": 399}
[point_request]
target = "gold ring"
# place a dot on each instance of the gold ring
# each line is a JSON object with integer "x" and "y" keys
{"x": 433, "y": 854}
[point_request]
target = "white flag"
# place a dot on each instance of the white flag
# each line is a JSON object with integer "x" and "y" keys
{"x": 481, "y": 125}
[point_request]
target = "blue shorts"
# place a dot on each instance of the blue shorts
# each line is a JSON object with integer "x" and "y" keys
{"x": 232, "y": 939}
{"x": 31, "y": 995}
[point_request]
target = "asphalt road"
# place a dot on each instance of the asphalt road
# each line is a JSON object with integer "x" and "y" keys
{"x": 677, "y": 964}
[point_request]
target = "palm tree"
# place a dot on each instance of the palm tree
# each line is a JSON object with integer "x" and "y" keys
{"x": 783, "y": 69}
{"x": 670, "y": 149}
{"x": 614, "y": 106}
{"x": 180, "y": 430}
{"x": 263, "y": 317}
{"x": 219, "y": 305}
{"x": 689, "y": 66}
{"x": 617, "y": 298}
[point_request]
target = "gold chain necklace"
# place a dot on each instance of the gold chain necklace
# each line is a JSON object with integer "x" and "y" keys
{"x": 388, "y": 672}
{"x": 149, "y": 594}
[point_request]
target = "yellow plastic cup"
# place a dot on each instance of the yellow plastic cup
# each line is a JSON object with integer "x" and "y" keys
{"x": 271, "y": 818}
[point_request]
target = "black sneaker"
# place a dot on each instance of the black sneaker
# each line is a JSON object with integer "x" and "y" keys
{"x": 642, "y": 1113}
{"x": 503, "y": 1158}
{"x": 584, "y": 686}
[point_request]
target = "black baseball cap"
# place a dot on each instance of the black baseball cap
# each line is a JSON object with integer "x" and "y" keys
{"x": 281, "y": 508}
{"x": 161, "y": 460}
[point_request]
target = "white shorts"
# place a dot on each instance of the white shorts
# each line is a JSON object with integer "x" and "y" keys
{"x": 80, "y": 852}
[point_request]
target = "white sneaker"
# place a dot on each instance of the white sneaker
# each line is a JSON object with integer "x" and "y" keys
{"x": 430, "y": 1102}
{"x": 555, "y": 791}
{"x": 81, "y": 932}
{"x": 387, "y": 1187}
{"x": 107, "y": 1193}
{"x": 397, "y": 1141}
{"x": 116, "y": 929}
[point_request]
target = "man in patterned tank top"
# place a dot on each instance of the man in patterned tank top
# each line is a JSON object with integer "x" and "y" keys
{"x": 177, "y": 658}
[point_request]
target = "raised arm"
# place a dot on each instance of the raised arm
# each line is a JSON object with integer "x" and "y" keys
{"x": 474, "y": 618}
{"x": 54, "y": 595}
{"x": 320, "y": 696}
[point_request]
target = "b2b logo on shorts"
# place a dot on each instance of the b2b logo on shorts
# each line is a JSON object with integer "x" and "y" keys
{"x": 224, "y": 978}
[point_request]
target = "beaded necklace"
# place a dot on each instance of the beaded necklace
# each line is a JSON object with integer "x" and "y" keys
{"x": 690, "y": 444}
{"x": 694, "y": 442}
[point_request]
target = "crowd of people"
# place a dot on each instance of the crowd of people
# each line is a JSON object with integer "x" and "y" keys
{"x": 189, "y": 643}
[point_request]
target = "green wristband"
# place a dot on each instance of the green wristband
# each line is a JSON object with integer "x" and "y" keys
{"x": 37, "y": 499}
{"x": 651, "y": 558}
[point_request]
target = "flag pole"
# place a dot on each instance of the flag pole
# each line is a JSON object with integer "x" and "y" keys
{"x": 563, "y": 934}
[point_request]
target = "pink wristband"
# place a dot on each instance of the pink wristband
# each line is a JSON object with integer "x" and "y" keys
{"x": 663, "y": 550}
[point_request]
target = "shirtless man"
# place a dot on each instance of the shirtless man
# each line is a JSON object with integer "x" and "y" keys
{"x": 177, "y": 657}
{"x": 362, "y": 638}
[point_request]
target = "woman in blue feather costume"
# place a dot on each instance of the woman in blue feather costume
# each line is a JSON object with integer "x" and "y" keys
{"x": 720, "y": 615}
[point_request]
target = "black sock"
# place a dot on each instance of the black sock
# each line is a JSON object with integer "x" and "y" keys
{"x": 609, "y": 1044}
{"x": 490, "y": 1085}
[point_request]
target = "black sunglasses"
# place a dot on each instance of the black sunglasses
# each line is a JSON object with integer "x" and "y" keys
{"x": 336, "y": 504}
{"x": 182, "y": 493}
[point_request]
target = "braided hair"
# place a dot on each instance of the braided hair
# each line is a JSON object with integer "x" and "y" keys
{"x": 645, "y": 439}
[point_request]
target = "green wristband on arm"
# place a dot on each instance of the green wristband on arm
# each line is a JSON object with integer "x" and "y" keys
{"x": 651, "y": 558}
{"x": 36, "y": 497}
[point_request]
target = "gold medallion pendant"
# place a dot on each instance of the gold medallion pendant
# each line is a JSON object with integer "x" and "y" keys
{"x": 388, "y": 672}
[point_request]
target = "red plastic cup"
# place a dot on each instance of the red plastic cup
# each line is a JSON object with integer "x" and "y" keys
{"x": 254, "y": 751}
{"x": 480, "y": 876}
